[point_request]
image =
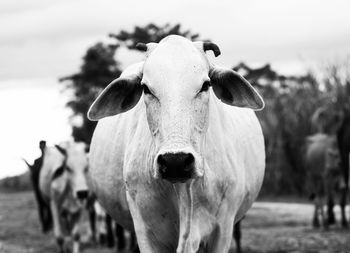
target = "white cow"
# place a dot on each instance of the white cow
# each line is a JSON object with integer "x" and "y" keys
{"x": 63, "y": 184}
{"x": 100, "y": 223}
{"x": 174, "y": 162}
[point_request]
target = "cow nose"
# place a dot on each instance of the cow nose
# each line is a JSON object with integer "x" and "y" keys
{"x": 83, "y": 194}
{"x": 176, "y": 167}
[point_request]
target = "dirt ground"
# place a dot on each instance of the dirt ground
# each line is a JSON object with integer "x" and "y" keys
{"x": 268, "y": 227}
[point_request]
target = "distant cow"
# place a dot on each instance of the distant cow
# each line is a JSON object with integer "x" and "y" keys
{"x": 331, "y": 120}
{"x": 173, "y": 155}
{"x": 44, "y": 211}
{"x": 100, "y": 223}
{"x": 324, "y": 173}
{"x": 63, "y": 185}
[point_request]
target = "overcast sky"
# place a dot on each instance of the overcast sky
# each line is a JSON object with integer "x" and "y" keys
{"x": 41, "y": 40}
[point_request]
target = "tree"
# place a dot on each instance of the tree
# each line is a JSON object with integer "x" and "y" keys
{"x": 100, "y": 67}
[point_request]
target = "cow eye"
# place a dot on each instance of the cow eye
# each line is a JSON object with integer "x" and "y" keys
{"x": 146, "y": 90}
{"x": 69, "y": 169}
{"x": 205, "y": 86}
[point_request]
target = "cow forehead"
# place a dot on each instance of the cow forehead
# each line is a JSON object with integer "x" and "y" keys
{"x": 77, "y": 158}
{"x": 175, "y": 60}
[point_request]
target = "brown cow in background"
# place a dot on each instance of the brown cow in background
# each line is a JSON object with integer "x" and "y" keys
{"x": 336, "y": 121}
{"x": 324, "y": 175}
{"x": 44, "y": 211}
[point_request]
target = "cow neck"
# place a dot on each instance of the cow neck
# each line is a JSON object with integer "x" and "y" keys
{"x": 185, "y": 201}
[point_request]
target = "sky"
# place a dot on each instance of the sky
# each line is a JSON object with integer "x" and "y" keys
{"x": 42, "y": 40}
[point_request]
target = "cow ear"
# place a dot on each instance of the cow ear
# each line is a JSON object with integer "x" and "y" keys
{"x": 62, "y": 150}
{"x": 119, "y": 96}
{"x": 232, "y": 89}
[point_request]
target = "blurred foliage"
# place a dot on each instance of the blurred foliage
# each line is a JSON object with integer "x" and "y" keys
{"x": 296, "y": 106}
{"x": 99, "y": 68}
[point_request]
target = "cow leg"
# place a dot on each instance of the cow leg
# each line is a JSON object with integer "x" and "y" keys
{"x": 237, "y": 235}
{"x": 43, "y": 219}
{"x": 48, "y": 216}
{"x": 41, "y": 210}
{"x": 221, "y": 238}
{"x": 344, "y": 192}
{"x": 110, "y": 234}
{"x": 119, "y": 232}
{"x": 345, "y": 158}
{"x": 330, "y": 211}
{"x": 57, "y": 225}
{"x": 92, "y": 223}
{"x": 315, "y": 221}
{"x": 133, "y": 243}
{"x": 323, "y": 218}
{"x": 34, "y": 172}
{"x": 76, "y": 232}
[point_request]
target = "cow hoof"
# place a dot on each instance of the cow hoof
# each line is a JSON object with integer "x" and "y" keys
{"x": 65, "y": 249}
{"x": 344, "y": 224}
{"x": 315, "y": 224}
{"x": 136, "y": 250}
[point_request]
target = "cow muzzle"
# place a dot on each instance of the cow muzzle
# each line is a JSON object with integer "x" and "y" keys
{"x": 82, "y": 194}
{"x": 176, "y": 167}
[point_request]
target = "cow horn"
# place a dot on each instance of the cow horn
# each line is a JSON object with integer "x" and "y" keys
{"x": 146, "y": 47}
{"x": 213, "y": 47}
{"x": 141, "y": 46}
{"x": 61, "y": 150}
{"x": 24, "y": 160}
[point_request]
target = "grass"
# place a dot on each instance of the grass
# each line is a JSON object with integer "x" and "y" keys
{"x": 268, "y": 227}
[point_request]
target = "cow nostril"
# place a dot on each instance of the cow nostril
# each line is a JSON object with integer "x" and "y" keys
{"x": 161, "y": 160}
{"x": 189, "y": 160}
{"x": 82, "y": 194}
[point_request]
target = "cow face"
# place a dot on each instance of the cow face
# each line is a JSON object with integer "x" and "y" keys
{"x": 176, "y": 83}
{"x": 176, "y": 95}
{"x": 76, "y": 166}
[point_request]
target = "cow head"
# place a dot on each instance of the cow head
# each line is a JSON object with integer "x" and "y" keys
{"x": 76, "y": 167}
{"x": 176, "y": 83}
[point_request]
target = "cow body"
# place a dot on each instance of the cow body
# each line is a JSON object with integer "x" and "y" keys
{"x": 192, "y": 215}
{"x": 62, "y": 182}
{"x": 323, "y": 173}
